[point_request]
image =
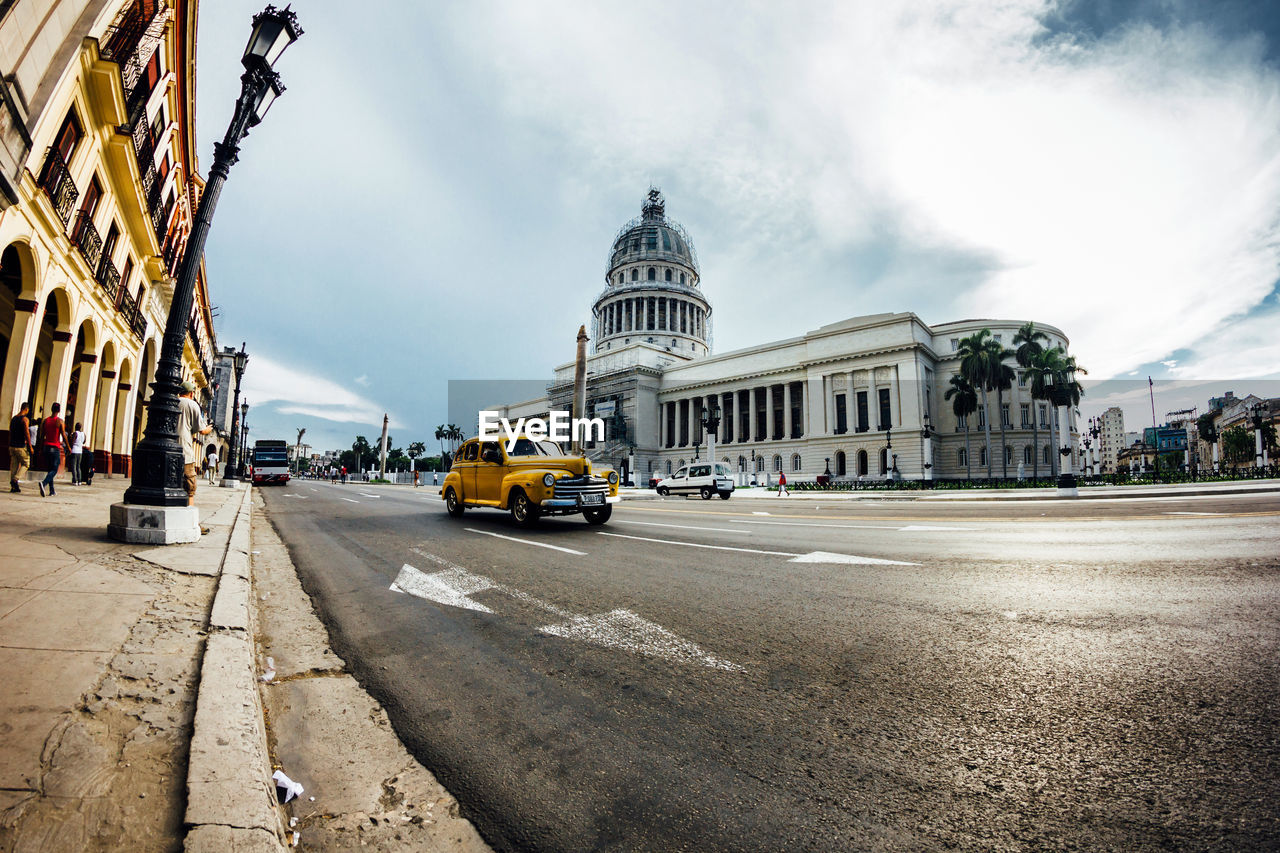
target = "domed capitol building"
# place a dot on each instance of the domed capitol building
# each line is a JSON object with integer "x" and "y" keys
{"x": 855, "y": 398}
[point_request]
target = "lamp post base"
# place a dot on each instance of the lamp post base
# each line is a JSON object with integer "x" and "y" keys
{"x": 154, "y": 525}
{"x": 232, "y": 483}
{"x": 1067, "y": 486}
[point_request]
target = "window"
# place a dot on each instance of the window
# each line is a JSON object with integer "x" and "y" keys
{"x": 68, "y": 137}
{"x": 682, "y": 278}
{"x": 955, "y": 344}
{"x": 982, "y": 418}
{"x": 653, "y": 274}
{"x": 635, "y": 275}
{"x": 862, "y": 463}
{"x": 158, "y": 126}
{"x": 1004, "y": 416}
{"x": 864, "y": 418}
{"x": 962, "y": 423}
{"x": 470, "y": 451}
{"x": 795, "y": 463}
{"x": 164, "y": 166}
{"x": 1046, "y": 454}
{"x": 109, "y": 245}
{"x": 982, "y": 456}
{"x": 668, "y": 275}
{"x": 1026, "y": 454}
{"x": 1044, "y": 417}
{"x": 777, "y": 463}
{"x": 840, "y": 463}
{"x": 1026, "y": 417}
{"x": 668, "y": 467}
{"x": 619, "y": 278}
{"x": 961, "y": 457}
{"x": 1022, "y": 379}
{"x": 997, "y": 338}
{"x": 884, "y": 460}
{"x": 1008, "y": 454}
{"x": 742, "y": 464}
{"x": 885, "y": 420}
{"x": 650, "y": 466}
{"x": 842, "y": 420}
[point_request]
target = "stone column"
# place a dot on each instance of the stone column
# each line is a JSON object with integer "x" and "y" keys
{"x": 786, "y": 410}
{"x": 22, "y": 354}
{"x": 59, "y": 382}
{"x": 751, "y": 413}
{"x": 88, "y": 394}
{"x": 102, "y": 430}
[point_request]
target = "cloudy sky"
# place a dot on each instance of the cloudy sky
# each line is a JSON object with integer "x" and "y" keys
{"x": 435, "y": 195}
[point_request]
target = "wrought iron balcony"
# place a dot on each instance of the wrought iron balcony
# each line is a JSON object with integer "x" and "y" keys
{"x": 132, "y": 312}
{"x": 86, "y": 239}
{"x": 56, "y": 181}
{"x": 172, "y": 256}
{"x": 109, "y": 277}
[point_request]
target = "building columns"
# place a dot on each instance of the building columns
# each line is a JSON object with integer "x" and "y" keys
{"x": 786, "y": 410}
{"x": 22, "y": 354}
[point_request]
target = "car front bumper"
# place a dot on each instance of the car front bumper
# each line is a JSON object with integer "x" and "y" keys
{"x": 572, "y": 503}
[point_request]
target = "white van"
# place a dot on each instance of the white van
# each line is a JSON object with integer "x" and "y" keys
{"x": 698, "y": 479}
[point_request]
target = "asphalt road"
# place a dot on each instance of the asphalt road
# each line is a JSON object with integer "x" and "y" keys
{"x": 770, "y": 675}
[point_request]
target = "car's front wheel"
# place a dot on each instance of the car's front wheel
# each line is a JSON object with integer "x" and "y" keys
{"x": 523, "y": 511}
{"x": 451, "y": 502}
{"x": 598, "y": 516}
{"x": 706, "y": 492}
{"x": 662, "y": 491}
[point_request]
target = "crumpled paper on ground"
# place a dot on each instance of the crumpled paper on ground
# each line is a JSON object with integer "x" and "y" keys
{"x": 286, "y": 788}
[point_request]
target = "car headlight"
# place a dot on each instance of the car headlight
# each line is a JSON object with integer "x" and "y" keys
{"x": 548, "y": 480}
{"x": 613, "y": 478}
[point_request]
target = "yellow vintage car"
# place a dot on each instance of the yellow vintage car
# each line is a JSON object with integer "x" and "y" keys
{"x": 537, "y": 478}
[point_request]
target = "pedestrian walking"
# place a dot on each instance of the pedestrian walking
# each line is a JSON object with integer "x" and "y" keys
{"x": 87, "y": 466}
{"x": 77, "y": 450}
{"x": 415, "y": 478}
{"x": 435, "y": 479}
{"x": 211, "y": 462}
{"x": 52, "y": 438}
{"x": 782, "y": 485}
{"x": 20, "y": 448}
{"x": 191, "y": 423}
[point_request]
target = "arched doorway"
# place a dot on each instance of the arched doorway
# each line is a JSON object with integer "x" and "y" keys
{"x": 51, "y": 354}
{"x": 82, "y": 388}
{"x": 862, "y": 463}
{"x": 104, "y": 410}
{"x": 840, "y": 463}
{"x": 10, "y": 345}
{"x": 121, "y": 447}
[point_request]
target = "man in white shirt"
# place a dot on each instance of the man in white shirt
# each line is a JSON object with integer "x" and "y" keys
{"x": 191, "y": 423}
{"x": 77, "y": 451}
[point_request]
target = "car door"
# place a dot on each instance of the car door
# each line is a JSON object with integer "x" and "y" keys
{"x": 699, "y": 477}
{"x": 678, "y": 481}
{"x": 490, "y": 469}
{"x": 469, "y": 452}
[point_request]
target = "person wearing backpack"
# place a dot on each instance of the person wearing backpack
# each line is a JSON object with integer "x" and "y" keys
{"x": 52, "y": 438}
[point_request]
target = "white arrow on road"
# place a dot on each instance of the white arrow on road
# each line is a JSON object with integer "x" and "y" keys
{"x": 622, "y": 629}
{"x": 811, "y": 557}
{"x": 617, "y": 629}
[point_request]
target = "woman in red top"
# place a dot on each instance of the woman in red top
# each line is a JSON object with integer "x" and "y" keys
{"x": 53, "y": 435}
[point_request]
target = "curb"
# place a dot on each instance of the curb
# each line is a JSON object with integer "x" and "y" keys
{"x": 231, "y": 803}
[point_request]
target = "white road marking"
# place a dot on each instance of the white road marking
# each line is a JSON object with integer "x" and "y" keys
{"x": 909, "y": 527}
{"x": 349, "y": 500}
{"x": 850, "y": 559}
{"x": 290, "y": 495}
{"x": 315, "y": 490}
{"x": 622, "y": 629}
{"x": 1191, "y": 513}
{"x": 367, "y": 495}
{"x": 699, "y": 545}
{"x": 618, "y": 629}
{"x": 757, "y": 512}
{"x": 811, "y": 557}
{"x": 527, "y": 542}
{"x": 679, "y": 526}
{"x": 453, "y": 587}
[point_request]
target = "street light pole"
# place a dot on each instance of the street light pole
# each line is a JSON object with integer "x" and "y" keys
{"x": 239, "y": 360}
{"x": 1060, "y": 389}
{"x": 155, "y": 508}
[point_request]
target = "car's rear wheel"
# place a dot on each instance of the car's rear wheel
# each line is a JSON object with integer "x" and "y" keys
{"x": 598, "y": 516}
{"x": 724, "y": 496}
{"x": 523, "y": 511}
{"x": 662, "y": 491}
{"x": 706, "y": 492}
{"x": 451, "y": 502}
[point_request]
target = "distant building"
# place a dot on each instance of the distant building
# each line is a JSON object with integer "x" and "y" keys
{"x": 1112, "y": 439}
{"x": 1167, "y": 439}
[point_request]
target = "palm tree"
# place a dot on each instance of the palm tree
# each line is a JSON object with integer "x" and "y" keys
{"x": 964, "y": 402}
{"x": 975, "y": 367}
{"x": 1027, "y": 340}
{"x": 1043, "y": 363}
{"x": 1000, "y": 376}
{"x": 442, "y": 433}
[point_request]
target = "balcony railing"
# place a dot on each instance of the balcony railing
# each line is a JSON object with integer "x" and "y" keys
{"x": 56, "y": 181}
{"x": 109, "y": 277}
{"x": 132, "y": 313}
{"x": 173, "y": 256}
{"x": 86, "y": 239}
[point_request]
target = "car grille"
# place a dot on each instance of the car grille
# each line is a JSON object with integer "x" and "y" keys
{"x": 571, "y": 487}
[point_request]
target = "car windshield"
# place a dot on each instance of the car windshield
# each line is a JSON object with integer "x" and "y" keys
{"x": 529, "y": 447}
{"x": 722, "y": 469}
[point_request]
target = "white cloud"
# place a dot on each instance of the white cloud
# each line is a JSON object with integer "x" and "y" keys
{"x": 363, "y": 380}
{"x": 296, "y": 392}
{"x": 1124, "y": 190}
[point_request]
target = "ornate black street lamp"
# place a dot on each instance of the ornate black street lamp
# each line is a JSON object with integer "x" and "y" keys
{"x": 1058, "y": 387}
{"x": 239, "y": 360}
{"x": 158, "y": 459}
{"x": 926, "y": 436}
{"x": 244, "y": 436}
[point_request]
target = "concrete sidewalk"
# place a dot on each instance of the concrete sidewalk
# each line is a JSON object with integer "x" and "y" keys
{"x": 103, "y": 649}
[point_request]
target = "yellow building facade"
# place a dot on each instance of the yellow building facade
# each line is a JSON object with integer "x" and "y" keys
{"x": 99, "y": 187}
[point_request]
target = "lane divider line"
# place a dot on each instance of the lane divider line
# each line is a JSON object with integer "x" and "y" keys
{"x": 678, "y": 526}
{"x": 811, "y": 557}
{"x": 349, "y": 500}
{"x": 526, "y": 541}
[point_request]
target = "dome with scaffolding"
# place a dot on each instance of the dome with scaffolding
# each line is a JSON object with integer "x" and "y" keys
{"x": 651, "y": 237}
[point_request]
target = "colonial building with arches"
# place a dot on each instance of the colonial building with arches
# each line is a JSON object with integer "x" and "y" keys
{"x": 861, "y": 397}
{"x": 99, "y": 190}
